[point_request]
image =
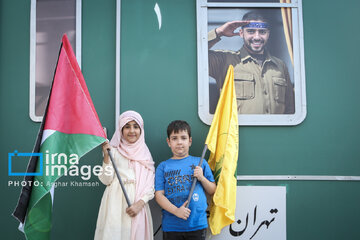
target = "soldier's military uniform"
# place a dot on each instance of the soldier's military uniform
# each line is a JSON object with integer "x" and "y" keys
{"x": 260, "y": 88}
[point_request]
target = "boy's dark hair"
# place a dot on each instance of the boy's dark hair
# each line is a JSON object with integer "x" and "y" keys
{"x": 177, "y": 126}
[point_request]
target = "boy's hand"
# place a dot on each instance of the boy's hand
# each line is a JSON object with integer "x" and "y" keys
{"x": 183, "y": 212}
{"x": 198, "y": 173}
{"x": 210, "y": 187}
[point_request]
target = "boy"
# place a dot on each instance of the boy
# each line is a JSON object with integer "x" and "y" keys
{"x": 173, "y": 180}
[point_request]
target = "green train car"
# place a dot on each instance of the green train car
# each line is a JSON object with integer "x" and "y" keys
{"x": 152, "y": 56}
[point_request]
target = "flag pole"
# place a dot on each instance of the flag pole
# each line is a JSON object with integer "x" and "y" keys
{"x": 118, "y": 176}
{"x": 195, "y": 179}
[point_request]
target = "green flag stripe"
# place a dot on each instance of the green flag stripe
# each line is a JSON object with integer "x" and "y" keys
{"x": 38, "y": 220}
{"x": 59, "y": 143}
{"x": 40, "y": 205}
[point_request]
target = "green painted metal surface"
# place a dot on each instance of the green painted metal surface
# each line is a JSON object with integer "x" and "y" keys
{"x": 159, "y": 80}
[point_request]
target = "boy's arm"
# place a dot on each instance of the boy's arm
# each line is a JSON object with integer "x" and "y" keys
{"x": 182, "y": 212}
{"x": 209, "y": 187}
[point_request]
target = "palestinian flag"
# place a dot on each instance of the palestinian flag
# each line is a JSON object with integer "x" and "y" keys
{"x": 70, "y": 128}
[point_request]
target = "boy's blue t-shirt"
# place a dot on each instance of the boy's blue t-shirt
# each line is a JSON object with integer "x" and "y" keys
{"x": 175, "y": 177}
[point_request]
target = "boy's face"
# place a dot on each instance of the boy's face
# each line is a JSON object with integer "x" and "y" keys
{"x": 179, "y": 143}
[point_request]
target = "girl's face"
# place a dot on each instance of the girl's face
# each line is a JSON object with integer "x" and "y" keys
{"x": 131, "y": 132}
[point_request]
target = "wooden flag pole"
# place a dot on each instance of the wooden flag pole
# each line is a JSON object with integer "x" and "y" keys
{"x": 118, "y": 176}
{"x": 195, "y": 179}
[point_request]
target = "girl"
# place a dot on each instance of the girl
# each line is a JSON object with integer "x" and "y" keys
{"x": 136, "y": 167}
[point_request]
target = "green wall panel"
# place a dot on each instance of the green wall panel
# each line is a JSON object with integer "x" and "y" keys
{"x": 158, "y": 68}
{"x": 159, "y": 80}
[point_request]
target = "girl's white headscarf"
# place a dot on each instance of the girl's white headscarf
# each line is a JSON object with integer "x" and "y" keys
{"x": 141, "y": 161}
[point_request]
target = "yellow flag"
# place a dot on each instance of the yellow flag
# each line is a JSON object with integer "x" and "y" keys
{"x": 223, "y": 143}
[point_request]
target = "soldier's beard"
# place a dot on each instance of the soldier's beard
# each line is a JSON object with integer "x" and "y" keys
{"x": 256, "y": 47}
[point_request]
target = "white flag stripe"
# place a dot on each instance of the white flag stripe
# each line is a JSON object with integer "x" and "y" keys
{"x": 46, "y": 133}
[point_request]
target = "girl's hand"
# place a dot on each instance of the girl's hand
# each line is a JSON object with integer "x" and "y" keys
{"x": 106, "y": 146}
{"x": 135, "y": 208}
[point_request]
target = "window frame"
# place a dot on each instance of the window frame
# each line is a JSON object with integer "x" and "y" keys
{"x": 32, "y": 75}
{"x": 202, "y": 7}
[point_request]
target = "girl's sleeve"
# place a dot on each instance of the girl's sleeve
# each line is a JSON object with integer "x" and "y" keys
{"x": 107, "y": 175}
{"x": 149, "y": 195}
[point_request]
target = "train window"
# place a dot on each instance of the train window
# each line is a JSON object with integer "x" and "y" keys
{"x": 263, "y": 40}
{"x": 49, "y": 20}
